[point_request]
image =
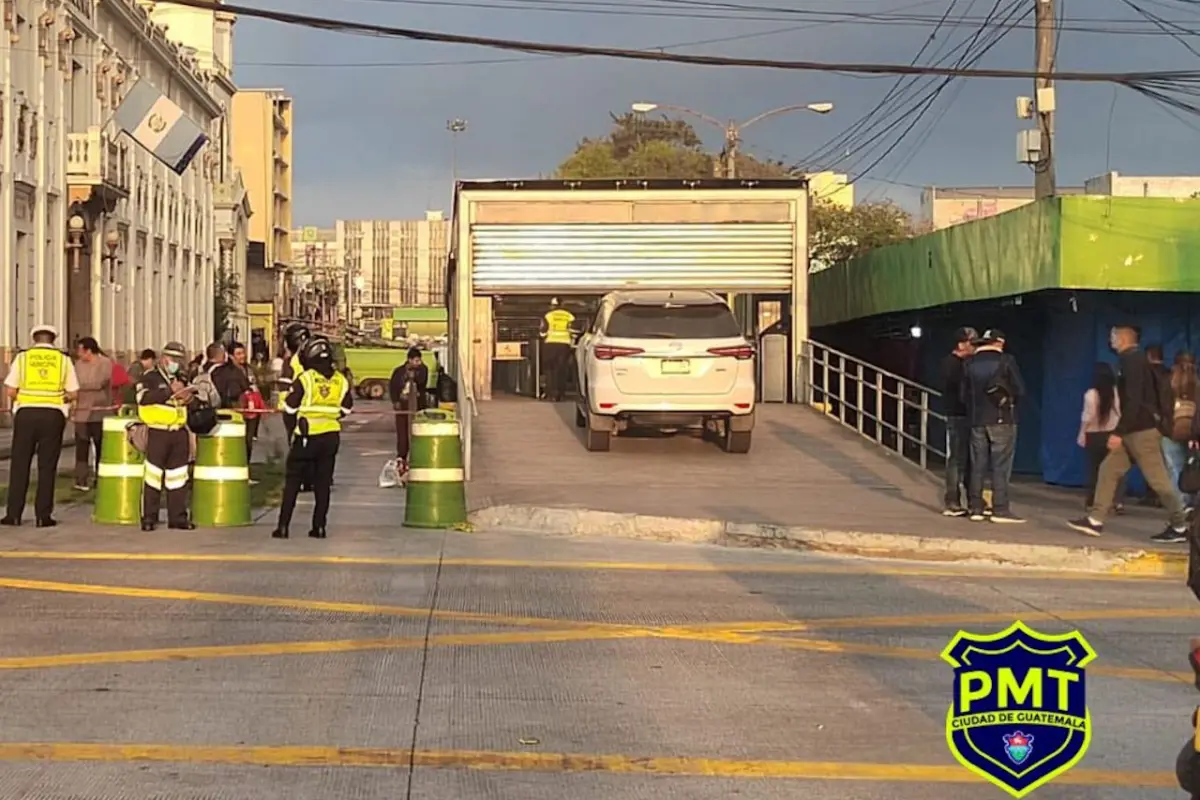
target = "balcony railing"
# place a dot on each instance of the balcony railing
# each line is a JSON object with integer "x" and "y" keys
{"x": 94, "y": 160}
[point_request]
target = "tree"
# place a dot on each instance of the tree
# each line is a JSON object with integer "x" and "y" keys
{"x": 838, "y": 234}
{"x": 640, "y": 146}
{"x": 225, "y": 301}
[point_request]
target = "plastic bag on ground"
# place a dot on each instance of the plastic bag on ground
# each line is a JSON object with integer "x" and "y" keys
{"x": 389, "y": 476}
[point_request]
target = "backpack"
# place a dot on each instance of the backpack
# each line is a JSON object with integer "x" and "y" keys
{"x": 1173, "y": 418}
{"x": 1182, "y": 420}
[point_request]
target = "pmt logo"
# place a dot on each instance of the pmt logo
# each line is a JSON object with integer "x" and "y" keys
{"x": 1019, "y": 716}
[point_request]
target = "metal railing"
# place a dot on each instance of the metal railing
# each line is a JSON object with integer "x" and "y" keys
{"x": 466, "y": 410}
{"x": 891, "y": 411}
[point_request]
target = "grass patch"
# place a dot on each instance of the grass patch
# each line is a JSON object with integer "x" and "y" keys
{"x": 64, "y": 490}
{"x": 268, "y": 492}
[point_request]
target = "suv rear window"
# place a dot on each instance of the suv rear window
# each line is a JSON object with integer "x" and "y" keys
{"x": 636, "y": 321}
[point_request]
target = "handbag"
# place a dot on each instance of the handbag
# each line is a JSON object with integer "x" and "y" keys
{"x": 1189, "y": 476}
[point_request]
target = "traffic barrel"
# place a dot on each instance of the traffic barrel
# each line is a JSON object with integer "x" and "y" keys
{"x": 221, "y": 477}
{"x": 119, "y": 473}
{"x": 436, "y": 497}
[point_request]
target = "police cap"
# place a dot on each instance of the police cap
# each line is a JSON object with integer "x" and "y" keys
{"x": 43, "y": 330}
{"x": 174, "y": 350}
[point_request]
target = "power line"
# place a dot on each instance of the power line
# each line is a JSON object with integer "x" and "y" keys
{"x": 414, "y": 34}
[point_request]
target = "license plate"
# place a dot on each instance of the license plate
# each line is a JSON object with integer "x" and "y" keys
{"x": 676, "y": 366}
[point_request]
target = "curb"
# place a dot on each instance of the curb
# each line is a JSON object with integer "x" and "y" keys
{"x": 905, "y": 547}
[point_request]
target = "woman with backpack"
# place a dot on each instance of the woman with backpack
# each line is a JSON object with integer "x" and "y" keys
{"x": 1185, "y": 387}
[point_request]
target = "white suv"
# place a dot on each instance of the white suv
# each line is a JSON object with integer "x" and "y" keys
{"x": 665, "y": 359}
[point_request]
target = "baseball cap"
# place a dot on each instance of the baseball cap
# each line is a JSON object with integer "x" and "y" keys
{"x": 992, "y": 335}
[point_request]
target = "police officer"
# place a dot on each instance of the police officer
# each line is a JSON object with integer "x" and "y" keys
{"x": 163, "y": 396}
{"x": 556, "y": 349}
{"x": 295, "y": 336}
{"x": 41, "y": 384}
{"x": 318, "y": 400}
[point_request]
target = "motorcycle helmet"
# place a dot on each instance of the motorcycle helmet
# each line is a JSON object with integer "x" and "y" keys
{"x": 295, "y": 335}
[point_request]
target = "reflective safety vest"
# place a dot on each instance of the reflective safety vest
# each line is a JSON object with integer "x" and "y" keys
{"x": 166, "y": 416}
{"x": 43, "y": 378}
{"x": 297, "y": 368}
{"x": 322, "y": 402}
{"x": 558, "y": 326}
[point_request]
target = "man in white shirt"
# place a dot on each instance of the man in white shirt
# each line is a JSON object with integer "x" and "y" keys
{"x": 41, "y": 385}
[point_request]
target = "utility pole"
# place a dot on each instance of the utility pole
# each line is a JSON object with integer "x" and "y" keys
{"x": 1045, "y": 60}
{"x": 733, "y": 137}
{"x": 455, "y": 126}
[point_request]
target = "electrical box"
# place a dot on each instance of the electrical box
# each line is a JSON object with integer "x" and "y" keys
{"x": 1029, "y": 146}
{"x": 1045, "y": 100}
{"x": 1024, "y": 108}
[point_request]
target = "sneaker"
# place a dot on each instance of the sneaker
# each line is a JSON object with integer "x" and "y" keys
{"x": 954, "y": 511}
{"x": 1087, "y": 526}
{"x": 82, "y": 487}
{"x": 1007, "y": 517}
{"x": 1170, "y": 536}
{"x": 977, "y": 516}
{"x": 1119, "y": 509}
{"x": 253, "y": 482}
{"x": 987, "y": 512}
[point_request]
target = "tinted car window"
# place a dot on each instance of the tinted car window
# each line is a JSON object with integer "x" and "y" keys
{"x": 712, "y": 321}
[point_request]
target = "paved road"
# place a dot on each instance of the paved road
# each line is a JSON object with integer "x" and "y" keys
{"x": 384, "y": 663}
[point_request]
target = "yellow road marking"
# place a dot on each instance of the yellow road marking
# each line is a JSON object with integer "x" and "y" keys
{"x": 931, "y": 620}
{"x": 299, "y": 756}
{"x": 294, "y": 603}
{"x": 908, "y": 653}
{"x": 305, "y": 648}
{"x": 785, "y": 569}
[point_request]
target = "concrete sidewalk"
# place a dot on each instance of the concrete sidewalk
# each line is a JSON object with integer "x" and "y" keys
{"x": 808, "y": 483}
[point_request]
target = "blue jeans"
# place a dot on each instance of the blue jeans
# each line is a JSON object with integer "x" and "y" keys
{"x": 992, "y": 449}
{"x": 1175, "y": 454}
{"x": 958, "y": 459}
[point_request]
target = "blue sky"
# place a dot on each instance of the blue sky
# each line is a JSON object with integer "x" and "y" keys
{"x": 371, "y": 141}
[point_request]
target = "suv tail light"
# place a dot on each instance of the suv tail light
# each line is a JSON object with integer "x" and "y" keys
{"x": 741, "y": 352}
{"x": 604, "y": 352}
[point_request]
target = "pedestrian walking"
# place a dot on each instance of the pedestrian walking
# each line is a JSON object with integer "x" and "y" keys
{"x": 41, "y": 384}
{"x": 1137, "y": 439}
{"x": 318, "y": 400}
{"x": 242, "y": 392}
{"x": 992, "y": 392}
{"x": 556, "y": 349}
{"x": 1101, "y": 413}
{"x": 958, "y": 426}
{"x": 95, "y": 373}
{"x": 1185, "y": 390}
{"x": 163, "y": 398}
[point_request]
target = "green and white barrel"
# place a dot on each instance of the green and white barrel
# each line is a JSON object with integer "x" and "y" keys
{"x": 119, "y": 473}
{"x": 221, "y": 477}
{"x": 436, "y": 497}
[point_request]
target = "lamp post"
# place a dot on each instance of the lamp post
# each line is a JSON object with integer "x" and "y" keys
{"x": 732, "y": 130}
{"x": 112, "y": 240}
{"x": 455, "y": 126}
{"x": 76, "y": 228}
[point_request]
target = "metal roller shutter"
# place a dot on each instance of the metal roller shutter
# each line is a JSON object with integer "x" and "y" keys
{"x": 535, "y": 259}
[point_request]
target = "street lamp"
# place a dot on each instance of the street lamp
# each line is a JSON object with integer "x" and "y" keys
{"x": 455, "y": 126}
{"x": 732, "y": 130}
{"x": 76, "y": 227}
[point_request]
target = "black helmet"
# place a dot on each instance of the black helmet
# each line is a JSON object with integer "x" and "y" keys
{"x": 295, "y": 335}
{"x": 317, "y": 351}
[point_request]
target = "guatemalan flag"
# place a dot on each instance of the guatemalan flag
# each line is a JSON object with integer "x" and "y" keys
{"x": 160, "y": 126}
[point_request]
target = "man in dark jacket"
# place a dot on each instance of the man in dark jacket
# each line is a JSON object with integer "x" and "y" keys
{"x": 992, "y": 391}
{"x": 958, "y": 427}
{"x": 1137, "y": 439}
{"x": 406, "y": 390}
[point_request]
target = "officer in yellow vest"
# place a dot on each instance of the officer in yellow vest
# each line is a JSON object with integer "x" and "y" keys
{"x": 163, "y": 396}
{"x": 41, "y": 385}
{"x": 556, "y": 349}
{"x": 318, "y": 400}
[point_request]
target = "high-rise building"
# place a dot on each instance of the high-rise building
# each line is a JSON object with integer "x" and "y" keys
{"x": 262, "y": 150}
{"x": 395, "y": 263}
